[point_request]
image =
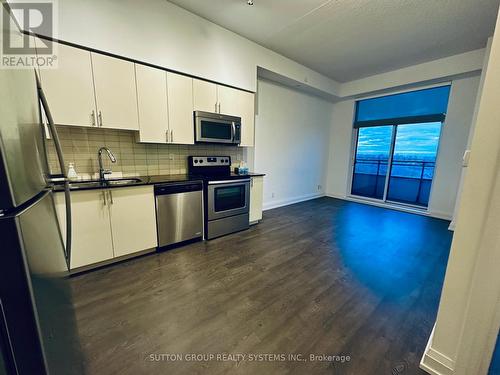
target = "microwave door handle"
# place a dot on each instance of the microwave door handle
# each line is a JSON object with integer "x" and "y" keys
{"x": 234, "y": 130}
{"x": 60, "y": 158}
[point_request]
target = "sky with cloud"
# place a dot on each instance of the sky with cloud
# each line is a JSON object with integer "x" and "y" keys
{"x": 412, "y": 140}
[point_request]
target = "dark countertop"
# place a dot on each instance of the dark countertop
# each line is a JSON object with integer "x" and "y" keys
{"x": 249, "y": 174}
{"x": 144, "y": 180}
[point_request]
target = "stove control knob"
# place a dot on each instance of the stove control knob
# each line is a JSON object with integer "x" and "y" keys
{"x": 201, "y": 161}
{"x": 195, "y": 161}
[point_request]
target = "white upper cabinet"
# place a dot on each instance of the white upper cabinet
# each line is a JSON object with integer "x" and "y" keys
{"x": 115, "y": 91}
{"x": 92, "y": 89}
{"x": 180, "y": 108}
{"x": 152, "y": 104}
{"x": 133, "y": 219}
{"x": 229, "y": 101}
{"x": 165, "y": 105}
{"x": 205, "y": 96}
{"x": 239, "y": 103}
{"x": 247, "y": 114}
{"x": 69, "y": 88}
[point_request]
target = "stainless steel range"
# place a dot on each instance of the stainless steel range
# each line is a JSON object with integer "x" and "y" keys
{"x": 226, "y": 196}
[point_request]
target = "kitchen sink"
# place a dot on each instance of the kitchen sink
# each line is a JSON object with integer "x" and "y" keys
{"x": 85, "y": 184}
{"x": 101, "y": 184}
{"x": 124, "y": 181}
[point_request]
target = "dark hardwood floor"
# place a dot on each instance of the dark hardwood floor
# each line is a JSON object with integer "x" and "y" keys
{"x": 324, "y": 277}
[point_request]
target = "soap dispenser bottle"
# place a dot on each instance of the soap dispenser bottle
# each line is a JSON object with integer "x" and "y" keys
{"x": 72, "y": 175}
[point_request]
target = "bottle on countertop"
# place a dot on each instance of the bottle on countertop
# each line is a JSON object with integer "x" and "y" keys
{"x": 240, "y": 167}
{"x": 243, "y": 169}
{"x": 72, "y": 175}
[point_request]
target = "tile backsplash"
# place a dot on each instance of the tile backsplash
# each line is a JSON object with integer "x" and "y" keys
{"x": 80, "y": 146}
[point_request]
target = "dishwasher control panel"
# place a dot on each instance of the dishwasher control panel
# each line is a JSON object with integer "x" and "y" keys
{"x": 175, "y": 188}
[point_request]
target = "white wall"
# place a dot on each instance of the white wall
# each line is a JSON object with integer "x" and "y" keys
{"x": 469, "y": 311}
{"x": 341, "y": 135}
{"x": 161, "y": 33}
{"x": 425, "y": 73}
{"x": 471, "y": 131}
{"x": 452, "y": 145}
{"x": 291, "y": 147}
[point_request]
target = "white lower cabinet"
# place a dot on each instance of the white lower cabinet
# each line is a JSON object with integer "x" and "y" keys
{"x": 91, "y": 228}
{"x": 256, "y": 199}
{"x": 109, "y": 223}
{"x": 133, "y": 219}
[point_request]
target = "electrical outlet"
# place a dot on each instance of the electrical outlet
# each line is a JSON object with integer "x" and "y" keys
{"x": 171, "y": 156}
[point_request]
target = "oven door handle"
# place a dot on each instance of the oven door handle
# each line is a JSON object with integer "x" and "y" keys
{"x": 228, "y": 182}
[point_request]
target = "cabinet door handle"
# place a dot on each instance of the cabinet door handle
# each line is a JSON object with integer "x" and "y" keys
{"x": 215, "y": 107}
{"x": 110, "y": 196}
{"x": 219, "y": 107}
{"x": 92, "y": 118}
{"x": 171, "y": 135}
{"x": 104, "y": 197}
{"x": 167, "y": 136}
{"x": 100, "y": 119}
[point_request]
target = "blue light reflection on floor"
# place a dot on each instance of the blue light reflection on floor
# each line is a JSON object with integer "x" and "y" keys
{"x": 385, "y": 249}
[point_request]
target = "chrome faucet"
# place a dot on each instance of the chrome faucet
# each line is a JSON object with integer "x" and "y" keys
{"x": 103, "y": 171}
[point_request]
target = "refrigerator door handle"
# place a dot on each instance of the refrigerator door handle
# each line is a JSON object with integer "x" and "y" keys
{"x": 60, "y": 158}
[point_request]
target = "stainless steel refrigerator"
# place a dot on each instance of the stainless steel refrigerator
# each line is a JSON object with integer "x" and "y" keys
{"x": 38, "y": 333}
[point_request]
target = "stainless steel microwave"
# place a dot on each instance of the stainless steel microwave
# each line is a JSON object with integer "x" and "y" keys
{"x": 217, "y": 128}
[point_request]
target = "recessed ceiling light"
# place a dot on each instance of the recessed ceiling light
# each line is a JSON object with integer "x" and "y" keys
{"x": 250, "y": 2}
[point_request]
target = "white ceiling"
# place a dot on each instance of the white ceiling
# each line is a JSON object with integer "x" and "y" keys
{"x": 351, "y": 39}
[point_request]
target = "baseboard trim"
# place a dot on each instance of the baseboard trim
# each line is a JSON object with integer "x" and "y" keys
{"x": 435, "y": 214}
{"x": 440, "y": 215}
{"x": 289, "y": 201}
{"x": 76, "y": 271}
{"x": 434, "y": 362}
{"x": 338, "y": 196}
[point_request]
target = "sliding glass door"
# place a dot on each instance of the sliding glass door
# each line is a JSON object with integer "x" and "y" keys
{"x": 397, "y": 138}
{"x": 373, "y": 150}
{"x": 396, "y": 163}
{"x": 413, "y": 163}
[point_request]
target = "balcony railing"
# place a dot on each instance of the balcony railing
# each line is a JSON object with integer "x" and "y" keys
{"x": 409, "y": 181}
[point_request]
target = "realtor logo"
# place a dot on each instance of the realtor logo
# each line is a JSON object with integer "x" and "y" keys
{"x": 24, "y": 50}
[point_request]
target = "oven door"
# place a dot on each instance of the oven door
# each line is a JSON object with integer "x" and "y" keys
{"x": 228, "y": 198}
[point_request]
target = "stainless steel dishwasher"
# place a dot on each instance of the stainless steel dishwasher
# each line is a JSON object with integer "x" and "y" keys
{"x": 179, "y": 212}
